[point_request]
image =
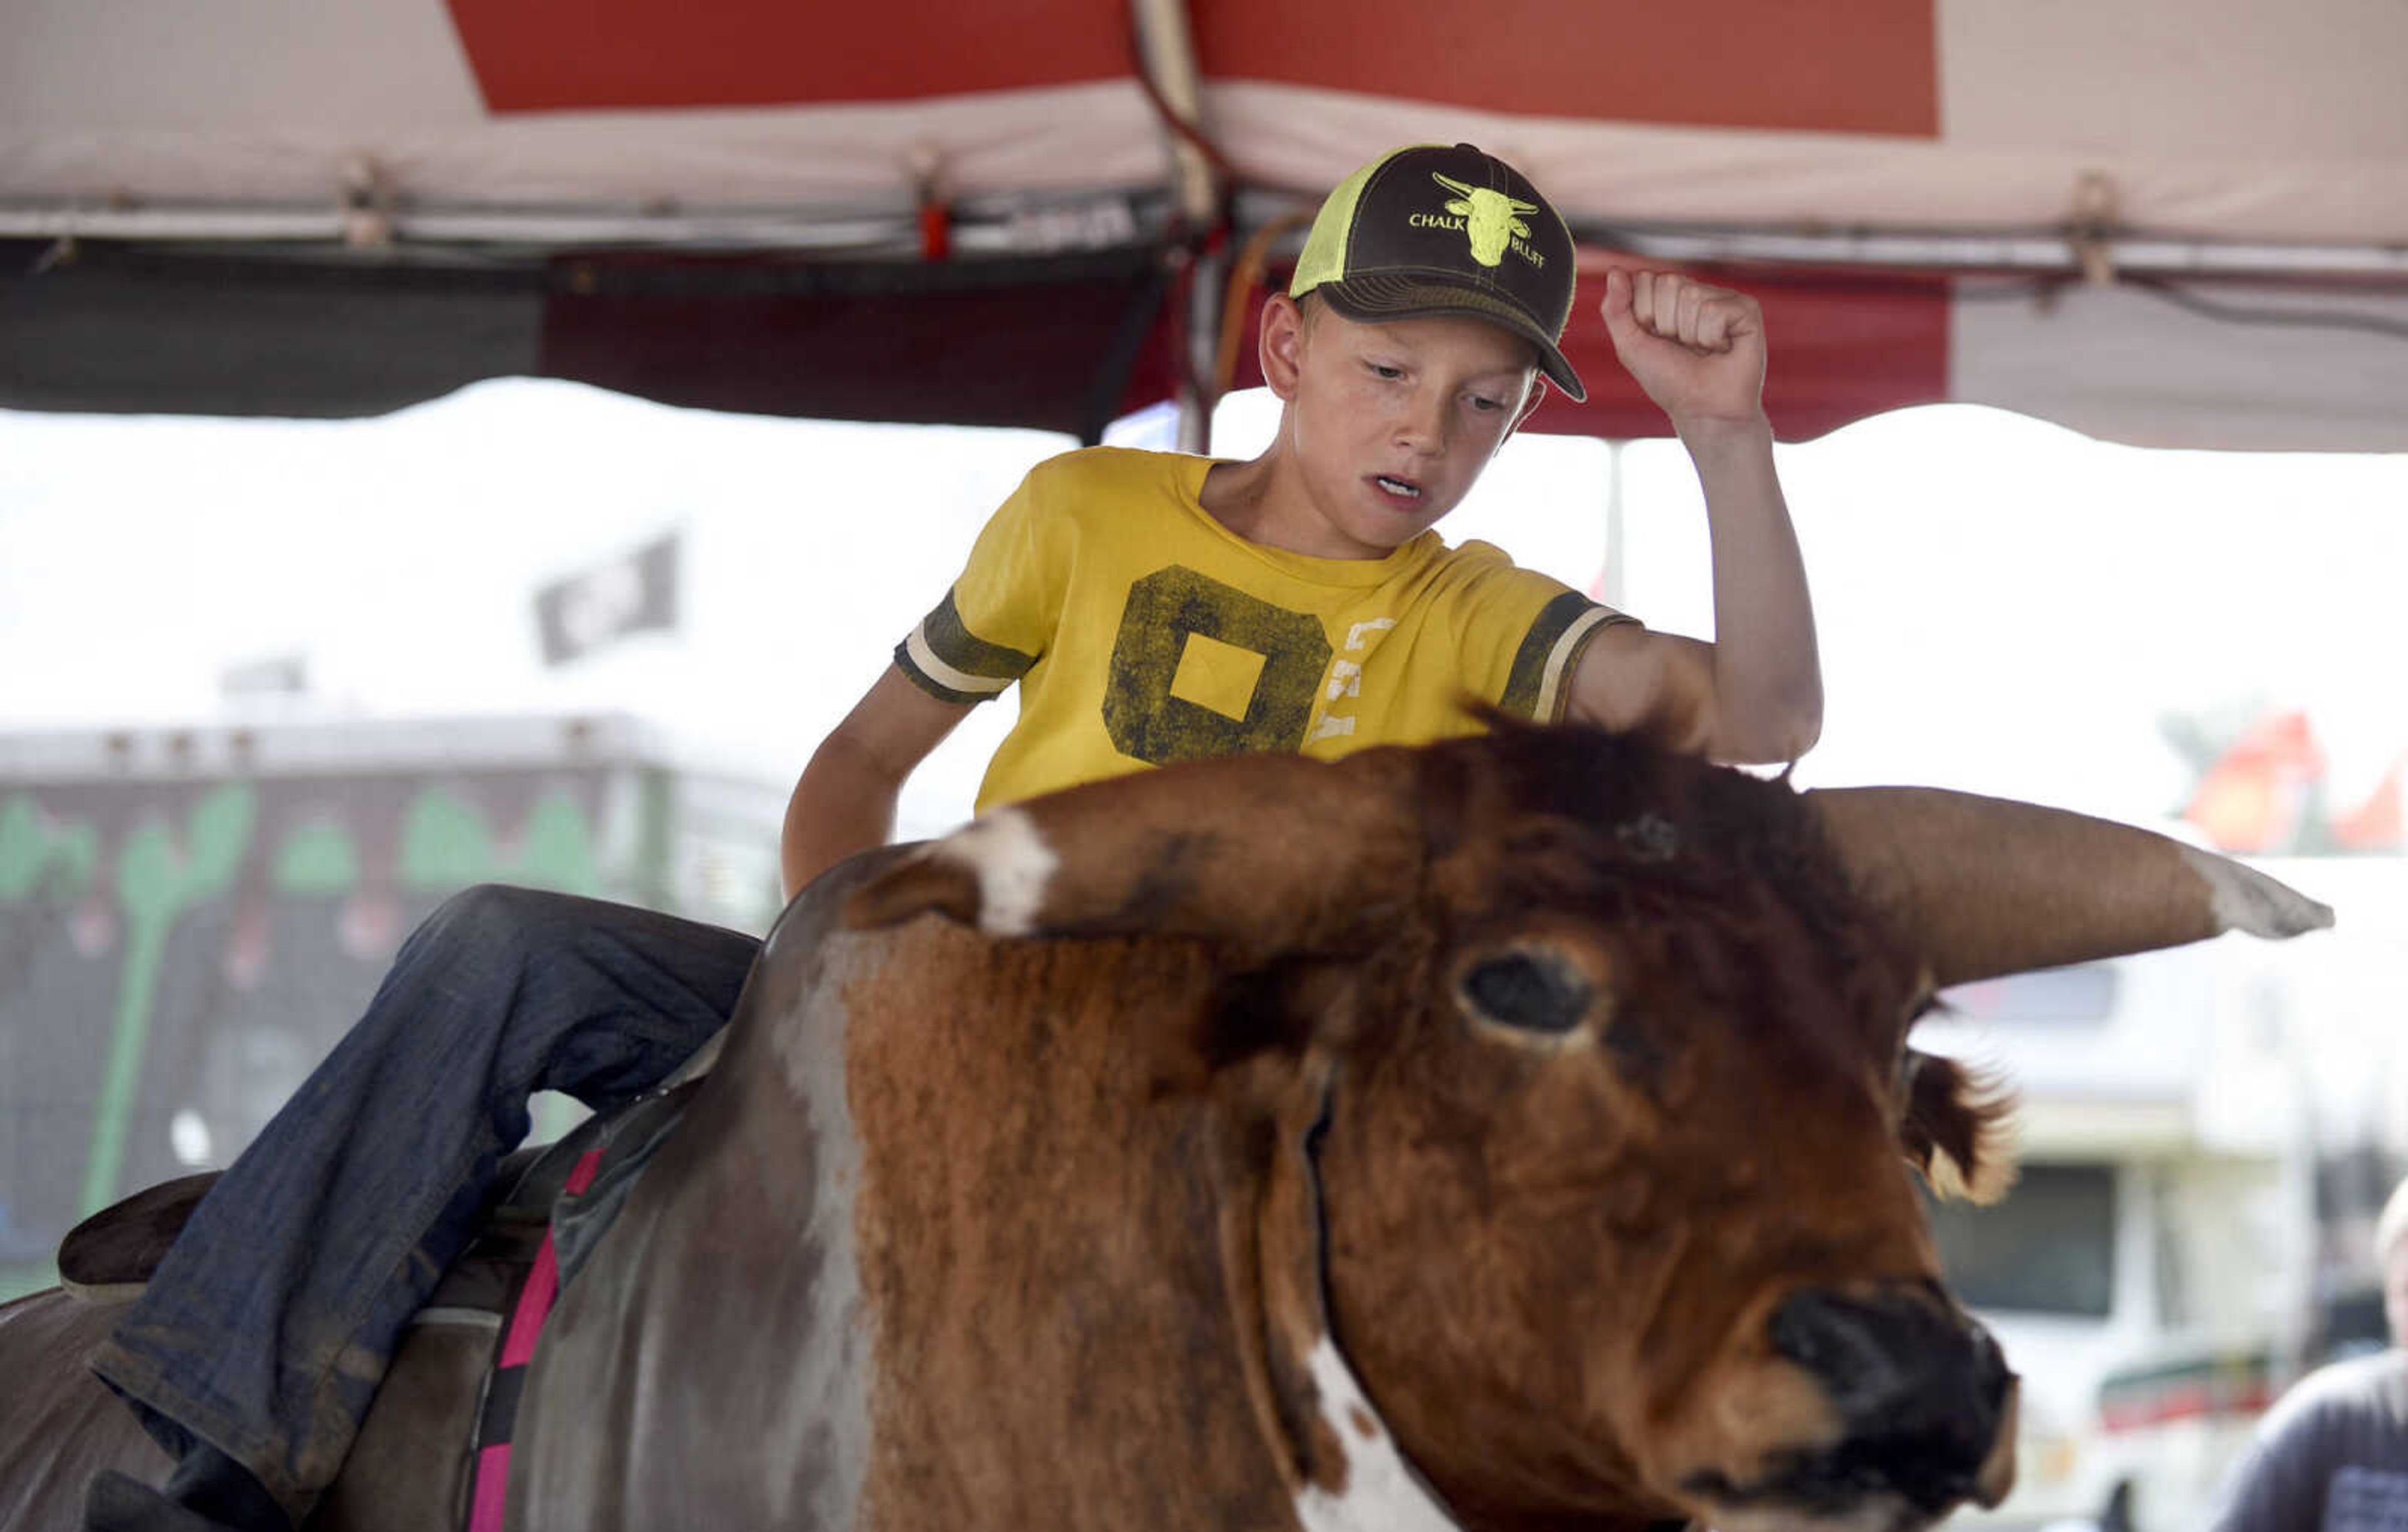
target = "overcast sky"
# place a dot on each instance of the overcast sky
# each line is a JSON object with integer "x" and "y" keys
{"x": 2004, "y": 605}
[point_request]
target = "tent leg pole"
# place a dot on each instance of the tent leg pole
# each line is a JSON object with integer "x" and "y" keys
{"x": 1194, "y": 424}
{"x": 1167, "y": 52}
{"x": 1613, "y": 580}
{"x": 1207, "y": 288}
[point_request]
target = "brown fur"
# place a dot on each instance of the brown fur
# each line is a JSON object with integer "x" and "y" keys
{"x": 1010, "y": 1238}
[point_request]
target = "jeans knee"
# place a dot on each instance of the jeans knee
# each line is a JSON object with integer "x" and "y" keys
{"x": 504, "y": 907}
{"x": 486, "y": 919}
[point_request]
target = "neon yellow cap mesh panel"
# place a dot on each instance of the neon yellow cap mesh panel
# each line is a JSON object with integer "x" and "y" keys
{"x": 1324, "y": 249}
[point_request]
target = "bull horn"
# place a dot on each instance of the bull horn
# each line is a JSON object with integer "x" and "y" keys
{"x": 1263, "y": 853}
{"x": 1988, "y": 886}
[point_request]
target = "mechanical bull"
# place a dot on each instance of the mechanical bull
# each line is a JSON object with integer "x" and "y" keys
{"x": 1512, "y": 1133}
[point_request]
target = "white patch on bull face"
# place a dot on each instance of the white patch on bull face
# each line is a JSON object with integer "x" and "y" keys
{"x": 1013, "y": 865}
{"x": 2246, "y": 899}
{"x": 1383, "y": 1494}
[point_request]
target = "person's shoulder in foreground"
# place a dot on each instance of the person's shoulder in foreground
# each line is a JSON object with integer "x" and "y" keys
{"x": 2376, "y": 1383}
{"x": 2330, "y": 1456}
{"x": 1423, "y": 325}
{"x": 2333, "y": 1455}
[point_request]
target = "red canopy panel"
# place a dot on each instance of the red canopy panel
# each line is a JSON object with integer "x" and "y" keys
{"x": 1840, "y": 66}
{"x": 1847, "y": 66}
{"x": 629, "y": 53}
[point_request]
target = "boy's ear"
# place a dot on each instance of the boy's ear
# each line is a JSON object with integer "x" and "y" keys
{"x": 1280, "y": 348}
{"x": 1530, "y": 406}
{"x": 1537, "y": 396}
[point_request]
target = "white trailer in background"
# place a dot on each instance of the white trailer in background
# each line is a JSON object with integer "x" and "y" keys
{"x": 2207, "y": 1134}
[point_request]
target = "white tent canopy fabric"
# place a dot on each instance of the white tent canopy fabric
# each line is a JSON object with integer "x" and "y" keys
{"x": 2254, "y": 152}
{"x": 2211, "y": 118}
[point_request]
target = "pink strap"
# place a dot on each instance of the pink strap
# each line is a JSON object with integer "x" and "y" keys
{"x": 492, "y": 1480}
{"x": 534, "y": 1307}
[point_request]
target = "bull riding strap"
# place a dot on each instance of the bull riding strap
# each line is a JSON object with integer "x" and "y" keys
{"x": 498, "y": 1420}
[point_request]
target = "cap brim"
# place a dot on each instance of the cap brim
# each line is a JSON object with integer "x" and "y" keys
{"x": 1371, "y": 300}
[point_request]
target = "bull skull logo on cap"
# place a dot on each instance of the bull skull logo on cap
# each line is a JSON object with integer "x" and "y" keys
{"x": 1491, "y": 218}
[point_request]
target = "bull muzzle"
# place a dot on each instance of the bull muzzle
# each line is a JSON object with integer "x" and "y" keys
{"x": 1925, "y": 1407}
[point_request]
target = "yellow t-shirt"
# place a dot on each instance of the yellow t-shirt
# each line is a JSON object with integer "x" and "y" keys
{"x": 1142, "y": 632}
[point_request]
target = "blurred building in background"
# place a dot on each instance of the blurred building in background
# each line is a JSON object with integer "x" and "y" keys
{"x": 191, "y": 918}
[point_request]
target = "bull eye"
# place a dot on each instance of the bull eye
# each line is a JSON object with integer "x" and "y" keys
{"x": 1527, "y": 991}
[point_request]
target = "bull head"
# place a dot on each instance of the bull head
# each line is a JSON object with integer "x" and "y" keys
{"x": 1586, "y": 1068}
{"x": 1280, "y": 855}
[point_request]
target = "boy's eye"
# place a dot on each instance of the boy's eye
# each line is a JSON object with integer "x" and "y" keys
{"x": 1382, "y": 369}
{"x": 1483, "y": 403}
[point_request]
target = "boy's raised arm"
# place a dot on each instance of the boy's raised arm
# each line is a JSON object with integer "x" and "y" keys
{"x": 845, "y": 800}
{"x": 1755, "y": 693}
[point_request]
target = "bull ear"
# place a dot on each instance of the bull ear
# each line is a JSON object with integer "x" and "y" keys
{"x": 1987, "y": 886}
{"x": 1956, "y": 1128}
{"x": 1264, "y": 854}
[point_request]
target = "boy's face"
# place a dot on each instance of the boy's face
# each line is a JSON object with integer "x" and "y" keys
{"x": 1391, "y": 424}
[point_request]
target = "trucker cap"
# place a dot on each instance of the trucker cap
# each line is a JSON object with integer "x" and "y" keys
{"x": 1432, "y": 230}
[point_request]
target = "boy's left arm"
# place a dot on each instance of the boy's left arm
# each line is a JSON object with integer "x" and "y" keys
{"x": 1755, "y": 693}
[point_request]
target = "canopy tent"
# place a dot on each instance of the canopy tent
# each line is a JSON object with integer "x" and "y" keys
{"x": 2169, "y": 221}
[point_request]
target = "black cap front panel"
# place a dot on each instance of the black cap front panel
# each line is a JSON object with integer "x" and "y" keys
{"x": 1459, "y": 217}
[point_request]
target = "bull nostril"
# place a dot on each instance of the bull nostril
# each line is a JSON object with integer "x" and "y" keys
{"x": 1855, "y": 1349}
{"x": 1919, "y": 1392}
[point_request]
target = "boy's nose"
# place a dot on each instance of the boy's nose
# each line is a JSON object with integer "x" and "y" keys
{"x": 1422, "y": 425}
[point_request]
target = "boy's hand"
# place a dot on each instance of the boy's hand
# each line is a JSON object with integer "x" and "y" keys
{"x": 1697, "y": 349}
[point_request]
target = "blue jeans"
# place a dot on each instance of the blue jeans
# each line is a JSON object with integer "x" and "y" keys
{"x": 273, "y": 1318}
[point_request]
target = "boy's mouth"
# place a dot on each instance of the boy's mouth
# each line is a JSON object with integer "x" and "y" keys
{"x": 1403, "y": 489}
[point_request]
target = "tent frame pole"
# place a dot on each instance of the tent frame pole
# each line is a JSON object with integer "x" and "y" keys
{"x": 1167, "y": 53}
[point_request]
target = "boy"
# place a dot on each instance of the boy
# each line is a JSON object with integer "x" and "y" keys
{"x": 1404, "y": 354}
{"x": 1151, "y": 608}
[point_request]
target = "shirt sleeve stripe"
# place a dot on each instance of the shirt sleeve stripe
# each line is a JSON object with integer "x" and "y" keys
{"x": 1564, "y": 659}
{"x": 918, "y": 660}
{"x": 1550, "y": 653}
{"x": 951, "y": 664}
{"x": 966, "y": 652}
